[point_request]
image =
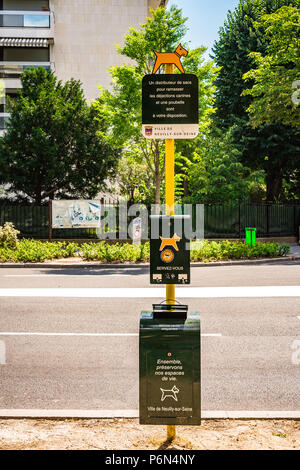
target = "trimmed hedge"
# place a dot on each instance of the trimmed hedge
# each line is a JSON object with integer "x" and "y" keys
{"x": 206, "y": 251}
{"x": 34, "y": 251}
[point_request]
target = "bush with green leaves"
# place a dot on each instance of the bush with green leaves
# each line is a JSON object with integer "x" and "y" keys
{"x": 37, "y": 251}
{"x": 105, "y": 252}
{"x": 226, "y": 250}
{"x": 8, "y": 236}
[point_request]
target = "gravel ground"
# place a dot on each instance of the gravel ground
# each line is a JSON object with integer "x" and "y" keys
{"x": 127, "y": 434}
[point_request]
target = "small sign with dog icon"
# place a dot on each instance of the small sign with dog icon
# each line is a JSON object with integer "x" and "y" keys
{"x": 169, "y": 366}
{"x": 170, "y": 388}
{"x": 169, "y": 253}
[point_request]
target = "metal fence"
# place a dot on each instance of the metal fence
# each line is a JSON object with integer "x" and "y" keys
{"x": 270, "y": 220}
{"x": 220, "y": 221}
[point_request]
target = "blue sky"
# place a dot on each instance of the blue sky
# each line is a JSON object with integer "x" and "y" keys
{"x": 205, "y": 19}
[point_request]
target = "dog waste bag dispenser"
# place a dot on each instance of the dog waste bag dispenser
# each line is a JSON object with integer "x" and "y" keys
{"x": 170, "y": 366}
{"x": 169, "y": 250}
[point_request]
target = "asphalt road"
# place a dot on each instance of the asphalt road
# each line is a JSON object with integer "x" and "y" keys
{"x": 82, "y": 353}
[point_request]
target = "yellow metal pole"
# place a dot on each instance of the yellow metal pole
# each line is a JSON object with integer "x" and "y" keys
{"x": 170, "y": 202}
{"x": 170, "y": 189}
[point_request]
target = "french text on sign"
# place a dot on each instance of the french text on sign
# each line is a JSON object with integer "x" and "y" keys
{"x": 170, "y": 106}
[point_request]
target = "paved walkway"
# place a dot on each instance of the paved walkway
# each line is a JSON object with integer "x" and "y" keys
{"x": 295, "y": 249}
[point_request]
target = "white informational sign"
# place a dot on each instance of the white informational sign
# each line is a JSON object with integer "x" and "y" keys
{"x": 137, "y": 230}
{"x": 76, "y": 213}
{"x": 168, "y": 131}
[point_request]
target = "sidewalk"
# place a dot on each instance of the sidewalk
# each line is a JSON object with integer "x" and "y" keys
{"x": 127, "y": 434}
{"x": 295, "y": 250}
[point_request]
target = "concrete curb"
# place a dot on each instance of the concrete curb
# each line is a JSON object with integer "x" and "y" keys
{"x": 146, "y": 265}
{"x": 134, "y": 414}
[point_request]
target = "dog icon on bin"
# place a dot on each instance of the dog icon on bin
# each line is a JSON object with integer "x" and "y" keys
{"x": 170, "y": 393}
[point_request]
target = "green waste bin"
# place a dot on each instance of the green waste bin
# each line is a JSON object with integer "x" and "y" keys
{"x": 250, "y": 236}
{"x": 170, "y": 366}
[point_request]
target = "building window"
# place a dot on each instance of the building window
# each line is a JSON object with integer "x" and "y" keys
{"x": 24, "y": 14}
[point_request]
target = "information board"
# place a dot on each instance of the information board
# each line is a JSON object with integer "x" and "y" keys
{"x": 170, "y": 107}
{"x": 170, "y": 390}
{"x": 76, "y": 213}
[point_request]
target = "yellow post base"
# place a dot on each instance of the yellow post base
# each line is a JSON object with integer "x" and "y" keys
{"x": 171, "y": 433}
{"x": 170, "y": 294}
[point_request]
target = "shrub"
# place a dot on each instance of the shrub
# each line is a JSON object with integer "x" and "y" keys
{"x": 225, "y": 250}
{"x": 36, "y": 251}
{"x": 105, "y": 252}
{"x": 8, "y": 236}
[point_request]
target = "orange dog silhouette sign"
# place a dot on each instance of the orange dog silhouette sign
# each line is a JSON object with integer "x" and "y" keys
{"x": 170, "y": 58}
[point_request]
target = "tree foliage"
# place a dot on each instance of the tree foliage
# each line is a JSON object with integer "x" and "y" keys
{"x": 52, "y": 145}
{"x": 276, "y": 73}
{"x": 120, "y": 109}
{"x": 272, "y": 147}
{"x": 216, "y": 175}
{"x": 134, "y": 181}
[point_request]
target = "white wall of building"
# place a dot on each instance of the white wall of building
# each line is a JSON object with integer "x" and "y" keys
{"x": 85, "y": 34}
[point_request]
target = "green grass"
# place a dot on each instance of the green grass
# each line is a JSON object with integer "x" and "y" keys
{"x": 206, "y": 251}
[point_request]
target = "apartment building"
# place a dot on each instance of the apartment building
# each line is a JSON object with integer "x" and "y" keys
{"x": 74, "y": 38}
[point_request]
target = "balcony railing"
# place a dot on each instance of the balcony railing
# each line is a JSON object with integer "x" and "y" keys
{"x": 4, "y": 117}
{"x": 24, "y": 19}
{"x": 15, "y": 69}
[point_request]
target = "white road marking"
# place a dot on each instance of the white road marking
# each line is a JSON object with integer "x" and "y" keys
{"x": 67, "y": 275}
{"x": 155, "y": 292}
{"x": 29, "y": 333}
{"x": 212, "y": 334}
{"x": 205, "y": 414}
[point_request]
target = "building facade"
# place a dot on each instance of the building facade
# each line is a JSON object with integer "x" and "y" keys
{"x": 74, "y": 38}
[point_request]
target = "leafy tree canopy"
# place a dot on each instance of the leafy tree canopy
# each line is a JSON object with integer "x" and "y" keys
{"x": 120, "y": 109}
{"x": 272, "y": 147}
{"x": 52, "y": 145}
{"x": 216, "y": 175}
{"x": 276, "y": 73}
{"x": 134, "y": 180}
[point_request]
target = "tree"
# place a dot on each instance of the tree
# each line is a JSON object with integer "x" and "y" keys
{"x": 134, "y": 181}
{"x": 216, "y": 174}
{"x": 277, "y": 71}
{"x": 52, "y": 145}
{"x": 291, "y": 186}
{"x": 120, "y": 110}
{"x": 274, "y": 148}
